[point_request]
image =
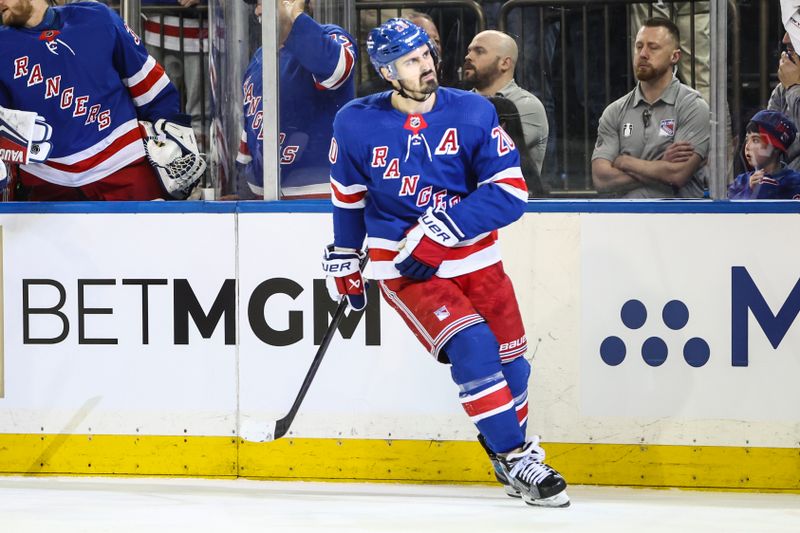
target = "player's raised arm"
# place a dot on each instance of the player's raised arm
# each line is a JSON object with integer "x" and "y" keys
{"x": 327, "y": 51}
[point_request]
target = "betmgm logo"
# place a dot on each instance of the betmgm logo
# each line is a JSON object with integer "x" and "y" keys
{"x": 746, "y": 299}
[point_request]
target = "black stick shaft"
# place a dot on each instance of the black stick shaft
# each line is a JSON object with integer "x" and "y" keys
{"x": 282, "y": 425}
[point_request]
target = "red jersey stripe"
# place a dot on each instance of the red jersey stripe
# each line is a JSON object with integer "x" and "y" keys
{"x": 82, "y": 166}
{"x": 147, "y": 83}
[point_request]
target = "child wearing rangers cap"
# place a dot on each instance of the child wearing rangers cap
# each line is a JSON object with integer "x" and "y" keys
{"x": 769, "y": 135}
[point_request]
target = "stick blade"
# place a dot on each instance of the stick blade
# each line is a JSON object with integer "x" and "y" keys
{"x": 281, "y": 427}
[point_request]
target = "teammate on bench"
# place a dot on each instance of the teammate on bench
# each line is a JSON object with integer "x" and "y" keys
{"x": 90, "y": 80}
{"x": 429, "y": 175}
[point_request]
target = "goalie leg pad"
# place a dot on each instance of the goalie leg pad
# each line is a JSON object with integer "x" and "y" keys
{"x": 484, "y": 392}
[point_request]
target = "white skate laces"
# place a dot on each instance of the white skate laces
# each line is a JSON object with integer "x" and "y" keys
{"x": 528, "y": 464}
{"x": 537, "y": 483}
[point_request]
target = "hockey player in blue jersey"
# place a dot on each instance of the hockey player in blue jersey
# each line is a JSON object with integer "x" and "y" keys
{"x": 425, "y": 177}
{"x": 769, "y": 135}
{"x": 317, "y": 62}
{"x": 90, "y": 79}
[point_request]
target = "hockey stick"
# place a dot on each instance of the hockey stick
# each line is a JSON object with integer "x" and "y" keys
{"x": 253, "y": 431}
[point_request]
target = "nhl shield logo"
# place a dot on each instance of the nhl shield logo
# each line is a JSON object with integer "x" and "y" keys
{"x": 415, "y": 123}
{"x": 627, "y": 129}
{"x": 667, "y": 128}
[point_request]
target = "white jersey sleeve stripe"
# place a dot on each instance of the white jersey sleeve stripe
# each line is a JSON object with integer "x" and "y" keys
{"x": 514, "y": 191}
{"x": 343, "y": 69}
{"x": 150, "y": 95}
{"x": 142, "y": 74}
{"x": 511, "y": 172}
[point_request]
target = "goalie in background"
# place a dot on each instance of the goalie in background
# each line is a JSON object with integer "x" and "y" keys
{"x": 91, "y": 81}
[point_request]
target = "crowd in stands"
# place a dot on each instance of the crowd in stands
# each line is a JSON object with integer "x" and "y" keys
{"x": 652, "y": 142}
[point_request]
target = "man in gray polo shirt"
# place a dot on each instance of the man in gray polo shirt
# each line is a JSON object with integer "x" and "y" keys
{"x": 653, "y": 142}
{"x": 489, "y": 69}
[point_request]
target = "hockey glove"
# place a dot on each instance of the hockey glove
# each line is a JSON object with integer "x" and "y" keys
{"x": 343, "y": 275}
{"x": 172, "y": 151}
{"x": 427, "y": 244}
{"x": 26, "y": 138}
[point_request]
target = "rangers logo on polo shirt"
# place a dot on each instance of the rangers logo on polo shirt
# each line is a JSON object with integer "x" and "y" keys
{"x": 667, "y": 128}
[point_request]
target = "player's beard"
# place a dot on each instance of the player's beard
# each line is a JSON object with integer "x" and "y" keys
{"x": 18, "y": 15}
{"x": 481, "y": 79}
{"x": 424, "y": 88}
{"x": 650, "y": 73}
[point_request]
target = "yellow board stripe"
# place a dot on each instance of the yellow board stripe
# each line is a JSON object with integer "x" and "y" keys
{"x": 412, "y": 461}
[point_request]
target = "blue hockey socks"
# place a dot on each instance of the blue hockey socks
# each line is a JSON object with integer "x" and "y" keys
{"x": 483, "y": 388}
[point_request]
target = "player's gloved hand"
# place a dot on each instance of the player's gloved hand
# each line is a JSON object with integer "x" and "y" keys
{"x": 343, "y": 275}
{"x": 172, "y": 150}
{"x": 28, "y": 135}
{"x": 40, "y": 141}
{"x": 427, "y": 244}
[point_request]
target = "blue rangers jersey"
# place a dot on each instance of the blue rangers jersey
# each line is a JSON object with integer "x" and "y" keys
{"x": 316, "y": 80}
{"x": 91, "y": 78}
{"x": 387, "y": 168}
{"x": 781, "y": 185}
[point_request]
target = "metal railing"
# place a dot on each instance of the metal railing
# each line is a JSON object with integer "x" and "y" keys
{"x": 455, "y": 27}
{"x": 564, "y": 12}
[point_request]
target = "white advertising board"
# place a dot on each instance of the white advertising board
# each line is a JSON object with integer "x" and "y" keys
{"x": 235, "y": 306}
{"x": 99, "y": 337}
{"x": 379, "y": 383}
{"x": 680, "y": 313}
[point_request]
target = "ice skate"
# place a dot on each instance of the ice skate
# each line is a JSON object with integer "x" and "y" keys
{"x": 538, "y": 484}
{"x": 499, "y": 472}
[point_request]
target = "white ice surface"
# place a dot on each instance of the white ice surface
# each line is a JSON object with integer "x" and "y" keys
{"x": 147, "y": 505}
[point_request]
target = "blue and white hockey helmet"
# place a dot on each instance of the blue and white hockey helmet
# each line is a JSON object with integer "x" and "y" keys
{"x": 392, "y": 40}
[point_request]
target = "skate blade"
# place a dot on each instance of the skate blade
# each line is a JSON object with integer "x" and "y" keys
{"x": 560, "y": 500}
{"x": 511, "y": 491}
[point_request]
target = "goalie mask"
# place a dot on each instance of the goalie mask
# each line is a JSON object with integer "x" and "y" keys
{"x": 172, "y": 151}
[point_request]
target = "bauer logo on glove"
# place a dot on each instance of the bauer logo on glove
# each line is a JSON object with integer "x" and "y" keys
{"x": 172, "y": 151}
{"x": 343, "y": 275}
{"x": 24, "y": 137}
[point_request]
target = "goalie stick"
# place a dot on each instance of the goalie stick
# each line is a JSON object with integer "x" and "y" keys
{"x": 266, "y": 431}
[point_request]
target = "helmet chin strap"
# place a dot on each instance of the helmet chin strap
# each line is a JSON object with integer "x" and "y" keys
{"x": 402, "y": 92}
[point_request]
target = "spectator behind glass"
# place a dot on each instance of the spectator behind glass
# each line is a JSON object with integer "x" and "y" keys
{"x": 489, "y": 70}
{"x": 786, "y": 95}
{"x": 509, "y": 119}
{"x": 179, "y": 40}
{"x": 681, "y": 14}
{"x": 316, "y": 65}
{"x": 769, "y": 135}
{"x": 653, "y": 142}
{"x": 98, "y": 151}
